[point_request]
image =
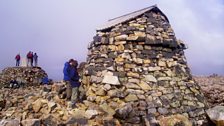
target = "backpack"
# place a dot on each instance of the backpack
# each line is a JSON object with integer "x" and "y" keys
{"x": 29, "y": 55}
{"x": 17, "y": 57}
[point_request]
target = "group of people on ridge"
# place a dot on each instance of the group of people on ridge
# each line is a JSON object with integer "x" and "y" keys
{"x": 31, "y": 57}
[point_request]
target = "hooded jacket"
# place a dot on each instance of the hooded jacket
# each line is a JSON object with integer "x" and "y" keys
{"x": 71, "y": 75}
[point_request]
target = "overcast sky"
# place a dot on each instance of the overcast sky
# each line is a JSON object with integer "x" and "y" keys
{"x": 61, "y": 29}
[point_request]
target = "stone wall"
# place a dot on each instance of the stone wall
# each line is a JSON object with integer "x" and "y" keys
{"x": 137, "y": 72}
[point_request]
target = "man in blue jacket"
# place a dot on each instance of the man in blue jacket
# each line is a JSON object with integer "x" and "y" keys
{"x": 71, "y": 77}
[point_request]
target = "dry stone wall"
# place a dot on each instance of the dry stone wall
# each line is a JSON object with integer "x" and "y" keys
{"x": 137, "y": 72}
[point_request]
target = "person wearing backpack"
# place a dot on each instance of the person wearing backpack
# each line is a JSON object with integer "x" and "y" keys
{"x": 71, "y": 78}
{"x": 17, "y": 58}
{"x": 29, "y": 55}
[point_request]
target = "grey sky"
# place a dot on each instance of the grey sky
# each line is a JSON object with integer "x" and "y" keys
{"x": 58, "y": 30}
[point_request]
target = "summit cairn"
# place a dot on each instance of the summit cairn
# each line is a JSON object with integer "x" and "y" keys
{"x": 24, "y": 76}
{"x": 137, "y": 73}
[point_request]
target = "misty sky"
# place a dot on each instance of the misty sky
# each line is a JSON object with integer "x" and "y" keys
{"x": 61, "y": 29}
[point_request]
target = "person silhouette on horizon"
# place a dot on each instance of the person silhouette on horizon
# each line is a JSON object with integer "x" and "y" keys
{"x": 35, "y": 58}
{"x": 17, "y": 58}
{"x": 29, "y": 58}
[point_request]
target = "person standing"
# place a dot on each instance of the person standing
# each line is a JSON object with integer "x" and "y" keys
{"x": 71, "y": 78}
{"x": 28, "y": 56}
{"x": 17, "y": 58}
{"x": 31, "y": 58}
{"x": 35, "y": 58}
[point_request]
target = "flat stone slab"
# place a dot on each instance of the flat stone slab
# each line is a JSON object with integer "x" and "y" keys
{"x": 110, "y": 79}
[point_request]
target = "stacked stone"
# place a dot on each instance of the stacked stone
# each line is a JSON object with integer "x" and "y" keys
{"x": 24, "y": 75}
{"x": 138, "y": 72}
{"x": 37, "y": 106}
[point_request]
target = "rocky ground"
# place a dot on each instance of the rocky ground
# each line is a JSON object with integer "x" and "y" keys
{"x": 39, "y": 103}
{"x": 213, "y": 89}
{"x": 42, "y": 105}
{"x": 23, "y": 75}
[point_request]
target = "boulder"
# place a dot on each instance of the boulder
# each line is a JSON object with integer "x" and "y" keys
{"x": 37, "y": 105}
{"x": 31, "y": 122}
{"x": 76, "y": 122}
{"x": 89, "y": 114}
{"x": 110, "y": 111}
{"x": 51, "y": 105}
{"x": 216, "y": 114}
{"x": 124, "y": 111}
{"x": 175, "y": 120}
{"x": 49, "y": 120}
{"x": 9, "y": 122}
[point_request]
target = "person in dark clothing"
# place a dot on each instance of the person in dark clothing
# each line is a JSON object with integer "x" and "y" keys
{"x": 35, "y": 58}
{"x": 71, "y": 78}
{"x": 29, "y": 55}
{"x": 31, "y": 58}
{"x": 17, "y": 59}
